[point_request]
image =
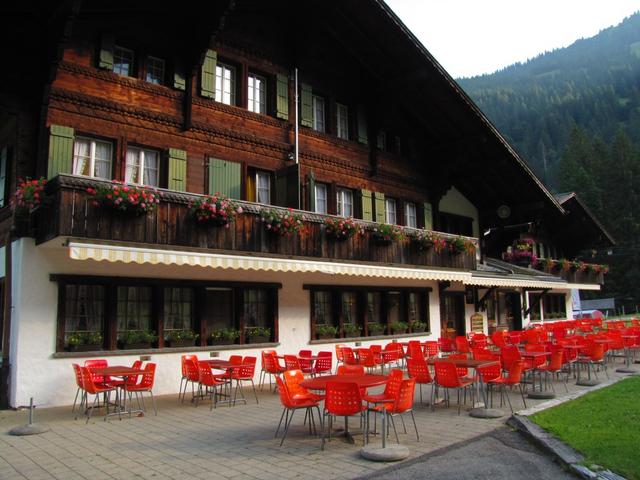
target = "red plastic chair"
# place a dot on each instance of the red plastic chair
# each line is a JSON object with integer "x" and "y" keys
{"x": 306, "y": 364}
{"x": 208, "y": 384}
{"x": 98, "y": 380}
{"x": 498, "y": 338}
{"x": 594, "y": 357}
{"x": 193, "y": 377}
{"x": 462, "y": 345}
{"x": 554, "y": 367}
{"x": 183, "y": 366}
{"x": 270, "y": 367}
{"x": 418, "y": 370}
{"x": 445, "y": 345}
{"x": 431, "y": 348}
{"x": 391, "y": 354}
{"x": 339, "y": 355}
{"x": 370, "y": 360}
{"x": 342, "y": 400}
{"x": 291, "y": 362}
{"x": 145, "y": 385}
{"x": 390, "y": 389}
{"x": 351, "y": 370}
{"x": 348, "y": 357}
{"x": 324, "y": 363}
{"x": 414, "y": 349}
{"x": 463, "y": 372}
{"x": 244, "y": 373}
{"x": 402, "y": 403}
{"x": 292, "y": 379}
{"x": 447, "y": 377}
{"x": 513, "y": 378}
{"x": 80, "y": 390}
{"x": 290, "y": 406}
{"x": 91, "y": 388}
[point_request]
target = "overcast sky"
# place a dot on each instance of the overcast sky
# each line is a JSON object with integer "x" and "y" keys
{"x": 471, "y": 37}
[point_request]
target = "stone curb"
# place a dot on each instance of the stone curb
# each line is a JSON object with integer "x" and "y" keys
{"x": 565, "y": 454}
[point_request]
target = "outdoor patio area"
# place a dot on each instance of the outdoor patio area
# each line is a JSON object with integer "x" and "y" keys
{"x": 184, "y": 441}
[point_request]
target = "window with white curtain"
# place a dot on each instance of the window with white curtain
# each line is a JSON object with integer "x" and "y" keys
{"x": 263, "y": 187}
{"x": 410, "y": 218}
{"x": 92, "y": 158}
{"x": 342, "y": 121}
{"x": 257, "y": 94}
{"x": 318, "y": 113}
{"x": 345, "y": 202}
{"x": 142, "y": 166}
{"x": 321, "y": 197}
{"x": 225, "y": 84}
{"x": 390, "y": 211}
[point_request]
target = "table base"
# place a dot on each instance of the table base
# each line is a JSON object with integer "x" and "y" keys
{"x": 587, "y": 382}
{"x": 538, "y": 395}
{"x": 626, "y": 370}
{"x": 486, "y": 413}
{"x": 378, "y": 453}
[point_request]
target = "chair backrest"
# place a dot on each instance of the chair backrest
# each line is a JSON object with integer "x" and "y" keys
{"x": 515, "y": 373}
{"x": 596, "y": 352}
{"x": 509, "y": 355}
{"x": 368, "y": 358}
{"x": 393, "y": 351}
{"x": 248, "y": 368}
{"x": 462, "y": 344}
{"x": 149, "y": 376}
{"x": 490, "y": 372}
{"x": 393, "y": 384}
{"x": 305, "y": 353}
{"x": 348, "y": 356}
{"x": 343, "y": 398}
{"x": 269, "y": 362}
{"x": 555, "y": 364}
{"x": 351, "y": 370}
{"x": 133, "y": 379}
{"x": 445, "y": 344}
{"x": 193, "y": 369}
{"x": 431, "y": 348}
{"x": 418, "y": 369}
{"x": 324, "y": 363}
{"x": 376, "y": 350}
{"x": 78, "y": 374}
{"x": 87, "y": 380}
{"x": 339, "y": 356}
{"x": 446, "y": 374}
{"x": 235, "y": 359}
{"x": 292, "y": 379}
{"x": 97, "y": 363}
{"x": 183, "y": 363}
{"x": 285, "y": 399}
{"x": 498, "y": 338}
{"x": 404, "y": 396}
{"x": 462, "y": 371}
{"x": 291, "y": 362}
{"x": 415, "y": 348}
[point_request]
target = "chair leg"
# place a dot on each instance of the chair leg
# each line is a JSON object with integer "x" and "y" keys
{"x": 504, "y": 387}
{"x": 393, "y": 424}
{"x": 286, "y": 427}
{"x": 414, "y": 425}
{"x": 75, "y": 400}
{"x": 254, "y": 391}
{"x": 524, "y": 402}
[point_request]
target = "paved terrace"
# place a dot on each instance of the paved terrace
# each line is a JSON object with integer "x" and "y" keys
{"x": 229, "y": 442}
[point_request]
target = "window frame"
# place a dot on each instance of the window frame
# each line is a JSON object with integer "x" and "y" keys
{"x": 410, "y": 215}
{"x": 262, "y": 104}
{"x": 325, "y": 187}
{"x": 233, "y": 81}
{"x": 269, "y": 177}
{"x": 117, "y": 49}
{"x": 341, "y": 194}
{"x": 92, "y": 158}
{"x": 148, "y": 67}
{"x": 390, "y": 211}
{"x": 342, "y": 113}
{"x": 319, "y": 125}
{"x": 141, "y": 166}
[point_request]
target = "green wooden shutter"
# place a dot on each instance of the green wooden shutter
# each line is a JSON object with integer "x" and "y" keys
{"x": 208, "y": 75}
{"x": 179, "y": 82}
{"x": 177, "y": 170}
{"x": 363, "y": 136}
{"x": 224, "y": 178}
{"x": 107, "y": 45}
{"x": 282, "y": 99}
{"x": 306, "y": 105}
{"x": 312, "y": 191}
{"x": 379, "y": 202}
{"x": 4, "y": 158}
{"x": 60, "y": 150}
{"x": 366, "y": 204}
{"x": 428, "y": 216}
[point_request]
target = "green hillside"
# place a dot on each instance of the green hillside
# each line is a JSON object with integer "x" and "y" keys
{"x": 574, "y": 115}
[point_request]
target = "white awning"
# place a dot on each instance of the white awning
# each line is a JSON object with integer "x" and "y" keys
{"x": 127, "y": 254}
{"x": 527, "y": 283}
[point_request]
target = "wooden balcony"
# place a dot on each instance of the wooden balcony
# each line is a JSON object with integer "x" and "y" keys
{"x": 70, "y": 213}
{"x": 581, "y": 277}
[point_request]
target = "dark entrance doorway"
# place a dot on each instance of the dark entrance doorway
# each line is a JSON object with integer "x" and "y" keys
{"x": 452, "y": 314}
{"x": 511, "y": 306}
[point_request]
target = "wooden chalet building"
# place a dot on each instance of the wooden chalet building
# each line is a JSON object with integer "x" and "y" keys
{"x": 332, "y": 109}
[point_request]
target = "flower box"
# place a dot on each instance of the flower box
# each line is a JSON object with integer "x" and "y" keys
{"x": 183, "y": 342}
{"x": 340, "y": 229}
{"x": 351, "y": 334}
{"x": 84, "y": 348}
{"x": 124, "y": 198}
{"x": 258, "y": 339}
{"x": 283, "y": 223}
{"x": 325, "y": 336}
{"x": 135, "y": 346}
{"x": 214, "y": 210}
{"x": 221, "y": 341}
{"x": 418, "y": 329}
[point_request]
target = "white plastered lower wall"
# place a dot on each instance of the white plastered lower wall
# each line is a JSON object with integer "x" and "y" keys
{"x": 50, "y": 381}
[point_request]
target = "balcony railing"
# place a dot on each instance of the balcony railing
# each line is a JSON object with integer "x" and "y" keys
{"x": 70, "y": 213}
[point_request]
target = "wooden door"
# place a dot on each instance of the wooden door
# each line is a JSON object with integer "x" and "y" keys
{"x": 452, "y": 314}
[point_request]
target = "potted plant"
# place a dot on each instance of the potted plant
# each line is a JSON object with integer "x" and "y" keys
{"x": 258, "y": 334}
{"x": 375, "y": 328}
{"x": 398, "y": 327}
{"x": 223, "y": 336}
{"x": 136, "y": 339}
{"x": 351, "y": 330}
{"x": 180, "y": 338}
{"x": 285, "y": 223}
{"x": 458, "y": 245}
{"x": 84, "y": 341}
{"x": 385, "y": 233}
{"x": 121, "y": 197}
{"x": 326, "y": 331}
{"x": 417, "y": 326}
{"x": 339, "y": 228}
{"x": 214, "y": 210}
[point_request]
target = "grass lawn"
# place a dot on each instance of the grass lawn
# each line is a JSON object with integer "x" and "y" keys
{"x": 603, "y": 425}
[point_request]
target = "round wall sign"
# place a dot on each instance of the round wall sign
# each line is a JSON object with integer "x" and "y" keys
{"x": 503, "y": 211}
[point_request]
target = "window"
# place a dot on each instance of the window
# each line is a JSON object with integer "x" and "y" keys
{"x": 178, "y": 309}
{"x": 84, "y": 314}
{"x": 92, "y": 158}
{"x": 318, "y": 113}
{"x": 410, "y": 218}
{"x": 123, "y": 61}
{"x": 321, "y": 197}
{"x": 154, "y": 70}
{"x": 390, "y": 211}
{"x": 381, "y": 141}
{"x": 322, "y": 310}
{"x": 160, "y": 307}
{"x": 374, "y": 307}
{"x": 349, "y": 308}
{"x": 263, "y": 187}
{"x": 134, "y": 309}
{"x": 225, "y": 84}
{"x": 345, "y": 202}
{"x": 342, "y": 121}
{"x": 257, "y": 94}
{"x": 456, "y": 224}
{"x": 142, "y": 167}
{"x": 394, "y": 307}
